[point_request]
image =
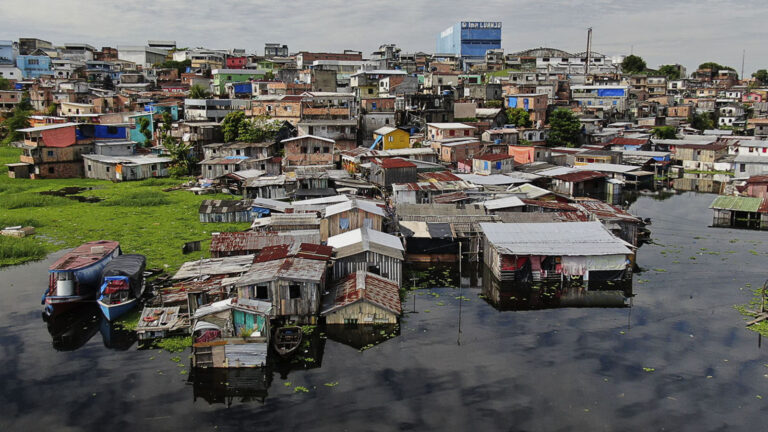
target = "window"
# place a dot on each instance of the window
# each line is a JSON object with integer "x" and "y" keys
{"x": 343, "y": 223}
{"x": 350, "y": 321}
{"x": 50, "y": 170}
{"x": 326, "y": 149}
{"x": 262, "y": 292}
{"x": 311, "y": 130}
{"x": 742, "y": 167}
{"x": 210, "y": 168}
{"x": 390, "y": 138}
{"x": 294, "y": 291}
{"x": 154, "y": 167}
{"x": 50, "y": 152}
{"x": 89, "y": 168}
{"x": 107, "y": 169}
{"x": 466, "y": 133}
{"x": 370, "y": 91}
{"x": 452, "y": 133}
{"x": 316, "y": 150}
{"x": 386, "y": 121}
{"x": 226, "y": 167}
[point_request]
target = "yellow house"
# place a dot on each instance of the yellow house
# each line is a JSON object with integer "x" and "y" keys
{"x": 391, "y": 138}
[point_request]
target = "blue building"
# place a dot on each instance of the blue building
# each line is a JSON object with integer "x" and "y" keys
{"x": 470, "y": 39}
{"x": 7, "y": 52}
{"x": 34, "y": 66}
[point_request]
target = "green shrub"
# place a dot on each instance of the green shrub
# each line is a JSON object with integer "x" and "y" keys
{"x": 14, "y": 250}
{"x": 26, "y": 200}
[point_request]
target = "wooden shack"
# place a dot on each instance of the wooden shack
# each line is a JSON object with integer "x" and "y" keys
{"x": 362, "y": 298}
{"x": 351, "y": 215}
{"x": 740, "y": 212}
{"x": 225, "y": 211}
{"x": 365, "y": 249}
{"x": 291, "y": 279}
{"x": 385, "y": 172}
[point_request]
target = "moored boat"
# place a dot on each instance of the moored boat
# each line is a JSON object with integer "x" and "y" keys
{"x": 287, "y": 340}
{"x": 75, "y": 277}
{"x": 122, "y": 285}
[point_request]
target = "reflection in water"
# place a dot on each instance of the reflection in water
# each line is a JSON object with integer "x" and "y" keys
{"x": 308, "y": 356}
{"x": 361, "y": 336}
{"x": 115, "y": 337}
{"x": 72, "y": 329}
{"x": 700, "y": 183}
{"x": 224, "y": 386}
{"x": 511, "y": 295}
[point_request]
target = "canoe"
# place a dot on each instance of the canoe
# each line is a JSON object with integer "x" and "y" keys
{"x": 287, "y": 340}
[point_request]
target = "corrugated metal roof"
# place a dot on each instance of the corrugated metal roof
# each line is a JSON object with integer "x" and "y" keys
{"x": 255, "y": 240}
{"x": 214, "y": 266}
{"x": 501, "y": 203}
{"x": 364, "y": 239}
{"x": 224, "y": 206}
{"x": 607, "y": 167}
{"x": 439, "y": 176}
{"x": 296, "y": 269}
{"x": 367, "y": 206}
{"x": 366, "y": 286}
{"x": 745, "y": 204}
{"x": 559, "y": 239}
{"x": 491, "y": 180}
{"x": 580, "y": 176}
{"x": 393, "y": 163}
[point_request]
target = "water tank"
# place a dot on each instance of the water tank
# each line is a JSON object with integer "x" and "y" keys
{"x": 65, "y": 287}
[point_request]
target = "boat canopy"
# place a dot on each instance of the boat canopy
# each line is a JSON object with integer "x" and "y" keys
{"x": 130, "y": 266}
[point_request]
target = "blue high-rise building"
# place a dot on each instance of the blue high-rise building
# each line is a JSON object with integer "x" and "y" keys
{"x": 470, "y": 39}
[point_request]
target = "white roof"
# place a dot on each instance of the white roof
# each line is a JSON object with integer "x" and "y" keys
{"x": 554, "y": 239}
{"x": 606, "y": 167}
{"x": 556, "y": 171}
{"x": 384, "y": 130}
{"x": 368, "y": 206}
{"x": 308, "y": 136}
{"x": 451, "y": 126}
{"x": 501, "y": 203}
{"x": 530, "y": 191}
{"x": 490, "y": 180}
{"x": 128, "y": 160}
{"x": 325, "y": 200}
{"x": 47, "y": 127}
{"x": 365, "y": 236}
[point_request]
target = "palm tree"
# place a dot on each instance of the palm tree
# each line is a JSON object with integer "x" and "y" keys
{"x": 198, "y": 92}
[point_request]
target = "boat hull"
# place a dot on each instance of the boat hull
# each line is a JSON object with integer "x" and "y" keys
{"x": 114, "y": 311}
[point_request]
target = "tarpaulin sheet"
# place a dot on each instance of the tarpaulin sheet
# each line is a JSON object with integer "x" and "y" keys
{"x": 610, "y": 92}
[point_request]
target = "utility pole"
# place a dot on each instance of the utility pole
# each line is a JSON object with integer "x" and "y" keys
{"x": 743, "y": 54}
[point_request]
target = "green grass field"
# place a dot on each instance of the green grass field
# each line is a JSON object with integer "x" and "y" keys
{"x": 139, "y": 215}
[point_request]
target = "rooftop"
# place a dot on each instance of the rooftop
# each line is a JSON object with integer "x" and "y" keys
{"x": 560, "y": 239}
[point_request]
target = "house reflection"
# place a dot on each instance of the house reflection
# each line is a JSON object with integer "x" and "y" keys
{"x": 115, "y": 336}
{"x": 225, "y": 386}
{"x": 362, "y": 336}
{"x": 515, "y": 295}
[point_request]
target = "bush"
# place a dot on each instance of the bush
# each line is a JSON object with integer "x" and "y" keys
{"x": 14, "y": 250}
{"x": 26, "y": 200}
{"x": 8, "y": 220}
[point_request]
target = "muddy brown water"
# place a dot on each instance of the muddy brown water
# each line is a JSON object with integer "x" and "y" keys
{"x": 678, "y": 359}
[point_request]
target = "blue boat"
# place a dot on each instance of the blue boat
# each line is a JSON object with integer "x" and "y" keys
{"x": 122, "y": 285}
{"x": 74, "y": 278}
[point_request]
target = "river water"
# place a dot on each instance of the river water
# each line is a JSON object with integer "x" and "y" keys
{"x": 678, "y": 359}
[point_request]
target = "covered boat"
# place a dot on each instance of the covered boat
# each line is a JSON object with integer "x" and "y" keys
{"x": 122, "y": 285}
{"x": 75, "y": 277}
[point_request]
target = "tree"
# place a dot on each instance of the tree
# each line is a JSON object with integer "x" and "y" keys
{"x": 5, "y": 84}
{"x": 231, "y": 125}
{"x": 198, "y": 92}
{"x": 761, "y": 75}
{"x": 672, "y": 72}
{"x": 633, "y": 64}
{"x": 180, "y": 66}
{"x": 19, "y": 119}
{"x": 702, "y": 121}
{"x": 564, "y": 128}
{"x": 665, "y": 132}
{"x": 518, "y": 117}
{"x": 493, "y": 104}
{"x": 107, "y": 83}
{"x": 144, "y": 128}
{"x": 269, "y": 75}
{"x": 182, "y": 159}
{"x": 258, "y": 129}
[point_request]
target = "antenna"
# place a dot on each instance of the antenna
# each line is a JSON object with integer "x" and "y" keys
{"x": 743, "y": 54}
{"x": 589, "y": 50}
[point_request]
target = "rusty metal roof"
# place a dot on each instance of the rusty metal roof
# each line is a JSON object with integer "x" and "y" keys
{"x": 439, "y": 176}
{"x": 255, "y": 240}
{"x": 580, "y": 176}
{"x": 364, "y": 286}
{"x": 393, "y": 163}
{"x": 224, "y": 206}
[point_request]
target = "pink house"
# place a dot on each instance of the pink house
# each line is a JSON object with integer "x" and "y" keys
{"x": 752, "y": 97}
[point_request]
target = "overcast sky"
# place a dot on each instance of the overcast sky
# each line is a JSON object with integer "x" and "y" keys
{"x": 661, "y": 31}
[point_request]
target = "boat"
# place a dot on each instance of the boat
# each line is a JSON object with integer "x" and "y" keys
{"x": 287, "y": 340}
{"x": 122, "y": 285}
{"x": 74, "y": 278}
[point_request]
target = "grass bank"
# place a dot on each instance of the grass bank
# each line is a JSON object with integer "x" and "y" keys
{"x": 139, "y": 215}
